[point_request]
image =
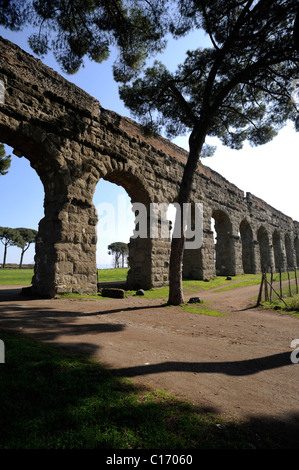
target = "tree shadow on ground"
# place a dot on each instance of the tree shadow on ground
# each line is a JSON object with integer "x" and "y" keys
{"x": 233, "y": 368}
{"x": 47, "y": 325}
{"x": 53, "y": 400}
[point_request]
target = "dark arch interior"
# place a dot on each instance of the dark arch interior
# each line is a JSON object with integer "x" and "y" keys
{"x": 224, "y": 249}
{"x": 247, "y": 247}
{"x": 278, "y": 254}
{"x": 289, "y": 251}
{"x": 263, "y": 239}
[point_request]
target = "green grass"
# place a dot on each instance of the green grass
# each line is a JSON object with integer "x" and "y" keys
{"x": 160, "y": 293}
{"x": 192, "y": 286}
{"x": 221, "y": 282}
{"x": 51, "y": 399}
{"x": 243, "y": 281}
{"x": 289, "y": 293}
{"x": 111, "y": 275}
{"x": 290, "y": 305}
{"x": 24, "y": 276}
{"x": 201, "y": 309}
{"x": 16, "y": 276}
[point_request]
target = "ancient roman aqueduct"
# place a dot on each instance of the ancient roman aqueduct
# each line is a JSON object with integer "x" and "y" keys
{"x": 72, "y": 142}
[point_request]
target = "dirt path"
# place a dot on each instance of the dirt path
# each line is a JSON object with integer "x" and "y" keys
{"x": 237, "y": 365}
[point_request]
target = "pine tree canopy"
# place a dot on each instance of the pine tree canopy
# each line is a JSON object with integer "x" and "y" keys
{"x": 5, "y": 161}
{"x": 75, "y": 29}
{"x": 239, "y": 88}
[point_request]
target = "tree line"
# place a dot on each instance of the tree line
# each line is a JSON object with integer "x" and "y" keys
{"x": 19, "y": 237}
{"x": 120, "y": 251}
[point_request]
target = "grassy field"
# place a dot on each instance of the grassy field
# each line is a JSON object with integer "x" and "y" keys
{"x": 54, "y": 400}
{"x": 111, "y": 275}
{"x": 285, "y": 296}
{"x": 23, "y": 276}
{"x": 191, "y": 287}
{"x": 16, "y": 276}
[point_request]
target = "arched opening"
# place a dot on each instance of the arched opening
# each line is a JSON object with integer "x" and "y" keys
{"x": 264, "y": 245}
{"x": 224, "y": 247}
{"x": 130, "y": 219}
{"x": 22, "y": 197}
{"x": 193, "y": 256}
{"x": 278, "y": 253}
{"x": 289, "y": 251}
{"x": 115, "y": 225}
{"x": 39, "y": 152}
{"x": 247, "y": 247}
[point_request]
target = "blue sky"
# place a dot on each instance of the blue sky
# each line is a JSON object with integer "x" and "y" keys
{"x": 269, "y": 172}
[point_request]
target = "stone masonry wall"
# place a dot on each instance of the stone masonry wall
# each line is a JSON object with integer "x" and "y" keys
{"x": 72, "y": 142}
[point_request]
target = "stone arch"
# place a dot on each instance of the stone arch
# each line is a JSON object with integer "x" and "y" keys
{"x": 264, "y": 248}
{"x": 38, "y": 147}
{"x": 278, "y": 251}
{"x": 224, "y": 246}
{"x": 148, "y": 255}
{"x": 136, "y": 187}
{"x": 247, "y": 247}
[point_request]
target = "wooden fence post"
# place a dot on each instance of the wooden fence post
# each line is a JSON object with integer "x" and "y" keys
{"x": 266, "y": 287}
{"x": 271, "y": 284}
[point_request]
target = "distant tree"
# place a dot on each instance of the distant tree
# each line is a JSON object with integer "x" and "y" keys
{"x": 5, "y": 161}
{"x": 26, "y": 236}
{"x": 8, "y": 237}
{"x": 119, "y": 250}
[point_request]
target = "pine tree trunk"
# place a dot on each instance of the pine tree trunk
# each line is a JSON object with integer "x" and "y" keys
{"x": 21, "y": 259}
{"x": 4, "y": 256}
{"x": 176, "y": 296}
{"x": 175, "y": 272}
